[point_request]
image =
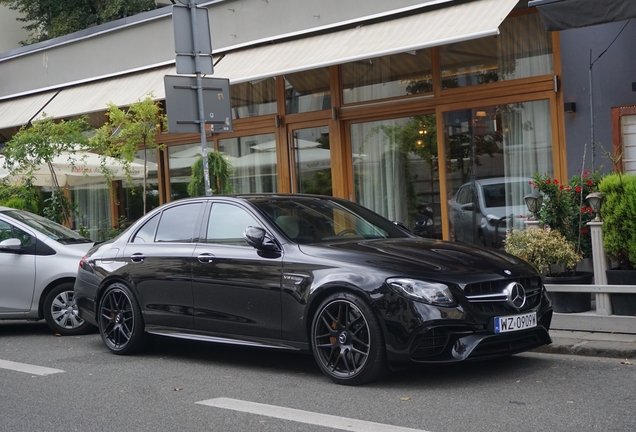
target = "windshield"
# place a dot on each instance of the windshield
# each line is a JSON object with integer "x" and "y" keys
{"x": 308, "y": 220}
{"x": 47, "y": 227}
{"x": 506, "y": 194}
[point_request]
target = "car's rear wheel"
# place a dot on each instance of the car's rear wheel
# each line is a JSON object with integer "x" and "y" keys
{"x": 347, "y": 340}
{"x": 60, "y": 311}
{"x": 120, "y": 322}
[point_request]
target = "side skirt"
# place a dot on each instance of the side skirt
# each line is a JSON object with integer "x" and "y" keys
{"x": 253, "y": 342}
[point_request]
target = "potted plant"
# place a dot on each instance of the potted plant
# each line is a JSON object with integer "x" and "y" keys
{"x": 619, "y": 236}
{"x": 555, "y": 258}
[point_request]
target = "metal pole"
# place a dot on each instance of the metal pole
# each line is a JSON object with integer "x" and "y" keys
{"x": 592, "y": 114}
{"x": 197, "y": 68}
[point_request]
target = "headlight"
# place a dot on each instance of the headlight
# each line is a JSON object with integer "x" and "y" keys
{"x": 426, "y": 292}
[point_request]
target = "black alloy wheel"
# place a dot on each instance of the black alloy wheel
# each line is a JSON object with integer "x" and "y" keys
{"x": 120, "y": 322}
{"x": 60, "y": 311}
{"x": 347, "y": 340}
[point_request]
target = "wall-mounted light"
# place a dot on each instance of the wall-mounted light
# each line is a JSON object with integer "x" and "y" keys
{"x": 569, "y": 107}
{"x": 480, "y": 114}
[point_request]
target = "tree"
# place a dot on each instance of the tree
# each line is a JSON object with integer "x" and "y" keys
{"x": 127, "y": 131}
{"x": 47, "y": 19}
{"x": 39, "y": 143}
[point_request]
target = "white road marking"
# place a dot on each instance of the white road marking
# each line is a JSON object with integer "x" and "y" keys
{"x": 307, "y": 417}
{"x": 27, "y": 368}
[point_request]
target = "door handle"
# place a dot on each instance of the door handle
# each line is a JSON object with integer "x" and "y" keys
{"x": 137, "y": 257}
{"x": 205, "y": 258}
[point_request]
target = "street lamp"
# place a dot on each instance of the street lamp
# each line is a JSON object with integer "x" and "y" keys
{"x": 533, "y": 202}
{"x": 595, "y": 200}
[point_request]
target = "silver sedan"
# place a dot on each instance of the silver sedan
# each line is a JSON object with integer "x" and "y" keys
{"x": 38, "y": 265}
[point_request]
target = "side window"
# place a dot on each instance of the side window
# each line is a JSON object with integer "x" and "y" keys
{"x": 147, "y": 232}
{"x": 227, "y": 223}
{"x": 8, "y": 231}
{"x": 178, "y": 224}
{"x": 5, "y": 231}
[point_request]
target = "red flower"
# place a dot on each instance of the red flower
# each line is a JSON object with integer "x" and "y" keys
{"x": 578, "y": 189}
{"x": 584, "y": 231}
{"x": 589, "y": 210}
{"x": 549, "y": 181}
{"x": 561, "y": 187}
{"x": 556, "y": 181}
{"x": 590, "y": 183}
{"x": 583, "y": 209}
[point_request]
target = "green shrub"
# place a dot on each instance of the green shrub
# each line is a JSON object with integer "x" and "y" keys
{"x": 619, "y": 216}
{"x": 542, "y": 248}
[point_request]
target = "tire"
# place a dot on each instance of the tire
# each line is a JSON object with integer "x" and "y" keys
{"x": 60, "y": 311}
{"x": 120, "y": 322}
{"x": 347, "y": 340}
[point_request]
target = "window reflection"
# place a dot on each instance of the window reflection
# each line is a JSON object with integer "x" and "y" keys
{"x": 389, "y": 76}
{"x": 313, "y": 160}
{"x": 254, "y": 161}
{"x": 395, "y": 169}
{"x": 523, "y": 49}
{"x": 492, "y": 153}
{"x": 253, "y": 98}
{"x": 307, "y": 91}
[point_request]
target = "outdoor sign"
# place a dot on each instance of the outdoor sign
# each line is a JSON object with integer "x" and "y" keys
{"x": 182, "y": 104}
{"x": 184, "y": 42}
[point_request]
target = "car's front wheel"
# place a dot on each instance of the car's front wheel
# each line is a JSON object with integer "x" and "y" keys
{"x": 347, "y": 340}
{"x": 120, "y": 322}
{"x": 60, "y": 311}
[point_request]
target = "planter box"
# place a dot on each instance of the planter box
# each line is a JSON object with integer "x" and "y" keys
{"x": 570, "y": 302}
{"x": 622, "y": 304}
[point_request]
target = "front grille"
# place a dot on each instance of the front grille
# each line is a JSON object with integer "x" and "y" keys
{"x": 489, "y": 297}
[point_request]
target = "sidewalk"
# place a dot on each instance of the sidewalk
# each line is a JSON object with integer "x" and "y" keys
{"x": 616, "y": 345}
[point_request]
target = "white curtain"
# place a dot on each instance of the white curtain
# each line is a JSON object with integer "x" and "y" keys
{"x": 379, "y": 169}
{"x": 93, "y": 202}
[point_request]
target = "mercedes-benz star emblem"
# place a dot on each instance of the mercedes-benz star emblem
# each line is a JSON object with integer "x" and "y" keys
{"x": 516, "y": 295}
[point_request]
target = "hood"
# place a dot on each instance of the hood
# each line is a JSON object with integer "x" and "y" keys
{"x": 426, "y": 258}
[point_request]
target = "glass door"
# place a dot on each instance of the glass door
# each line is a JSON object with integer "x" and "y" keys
{"x": 492, "y": 153}
{"x": 310, "y": 160}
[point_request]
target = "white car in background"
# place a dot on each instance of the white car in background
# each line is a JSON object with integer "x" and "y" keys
{"x": 38, "y": 266}
{"x": 480, "y": 212}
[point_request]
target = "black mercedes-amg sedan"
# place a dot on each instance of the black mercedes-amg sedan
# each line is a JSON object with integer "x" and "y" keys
{"x": 309, "y": 273}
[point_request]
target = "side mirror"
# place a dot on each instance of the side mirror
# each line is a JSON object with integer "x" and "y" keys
{"x": 10, "y": 244}
{"x": 468, "y": 207}
{"x": 257, "y": 238}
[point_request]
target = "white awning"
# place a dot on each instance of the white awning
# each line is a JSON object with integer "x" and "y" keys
{"x": 121, "y": 91}
{"x": 471, "y": 20}
{"x": 18, "y": 112}
{"x": 85, "y": 98}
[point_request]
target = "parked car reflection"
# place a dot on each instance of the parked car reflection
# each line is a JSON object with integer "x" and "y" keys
{"x": 481, "y": 212}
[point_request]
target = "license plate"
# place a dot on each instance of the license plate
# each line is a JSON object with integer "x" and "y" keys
{"x": 515, "y": 322}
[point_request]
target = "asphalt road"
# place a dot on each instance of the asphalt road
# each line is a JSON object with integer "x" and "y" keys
{"x": 185, "y": 386}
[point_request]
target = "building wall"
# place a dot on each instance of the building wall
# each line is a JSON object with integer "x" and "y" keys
{"x": 147, "y": 39}
{"x": 612, "y": 76}
{"x": 11, "y": 32}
